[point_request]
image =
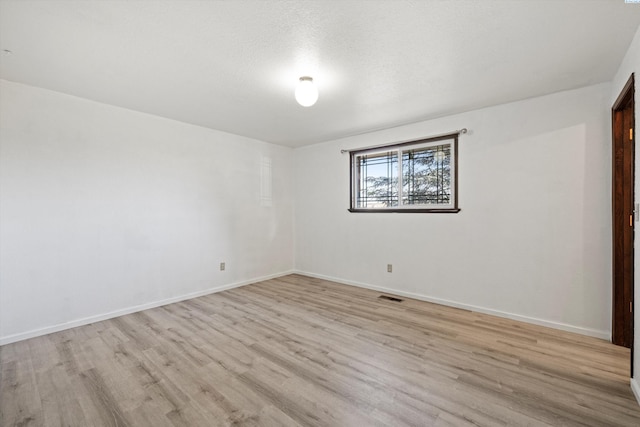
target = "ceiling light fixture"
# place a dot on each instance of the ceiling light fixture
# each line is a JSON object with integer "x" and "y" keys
{"x": 306, "y": 92}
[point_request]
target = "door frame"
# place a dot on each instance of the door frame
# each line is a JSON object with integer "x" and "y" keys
{"x": 623, "y": 215}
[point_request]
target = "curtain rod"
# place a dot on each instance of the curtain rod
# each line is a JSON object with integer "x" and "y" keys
{"x": 371, "y": 147}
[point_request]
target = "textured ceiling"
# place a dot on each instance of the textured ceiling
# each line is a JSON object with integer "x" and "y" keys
{"x": 233, "y": 65}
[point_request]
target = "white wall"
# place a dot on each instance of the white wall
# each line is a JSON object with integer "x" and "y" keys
{"x": 532, "y": 241}
{"x": 105, "y": 210}
{"x": 631, "y": 64}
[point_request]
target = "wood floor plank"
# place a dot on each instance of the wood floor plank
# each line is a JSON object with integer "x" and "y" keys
{"x": 301, "y": 351}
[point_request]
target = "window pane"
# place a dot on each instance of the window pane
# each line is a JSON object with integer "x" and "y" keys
{"x": 377, "y": 181}
{"x": 426, "y": 176}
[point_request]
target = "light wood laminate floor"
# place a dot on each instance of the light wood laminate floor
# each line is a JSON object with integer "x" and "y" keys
{"x": 302, "y": 351}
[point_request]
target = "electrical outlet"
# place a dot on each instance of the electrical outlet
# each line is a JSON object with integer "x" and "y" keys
{"x": 389, "y": 268}
{"x": 222, "y": 266}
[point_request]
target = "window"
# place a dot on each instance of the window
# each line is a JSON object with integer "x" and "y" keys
{"x": 416, "y": 176}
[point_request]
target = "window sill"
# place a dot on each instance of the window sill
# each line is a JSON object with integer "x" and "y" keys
{"x": 454, "y": 210}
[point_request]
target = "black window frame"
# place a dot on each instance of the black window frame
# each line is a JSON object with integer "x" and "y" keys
{"x": 451, "y": 208}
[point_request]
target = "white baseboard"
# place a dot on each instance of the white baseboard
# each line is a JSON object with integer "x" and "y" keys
{"x": 92, "y": 319}
{"x": 605, "y": 335}
{"x": 97, "y": 318}
{"x": 635, "y": 388}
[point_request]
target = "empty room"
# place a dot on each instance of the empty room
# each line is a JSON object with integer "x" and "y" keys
{"x": 318, "y": 213}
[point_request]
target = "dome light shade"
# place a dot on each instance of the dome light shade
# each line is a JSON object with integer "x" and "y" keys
{"x": 306, "y": 92}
